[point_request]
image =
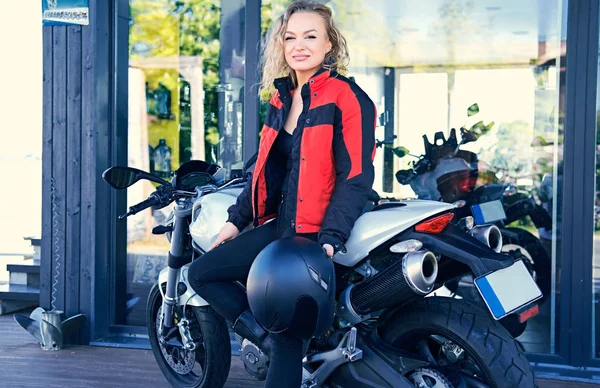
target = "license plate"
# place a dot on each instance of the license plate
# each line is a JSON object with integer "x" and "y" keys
{"x": 507, "y": 290}
{"x": 488, "y": 212}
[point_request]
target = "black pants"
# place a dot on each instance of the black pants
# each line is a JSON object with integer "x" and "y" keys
{"x": 213, "y": 275}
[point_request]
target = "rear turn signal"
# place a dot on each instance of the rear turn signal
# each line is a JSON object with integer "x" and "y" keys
{"x": 435, "y": 225}
{"x": 529, "y": 313}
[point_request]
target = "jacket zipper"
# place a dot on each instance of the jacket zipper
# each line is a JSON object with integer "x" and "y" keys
{"x": 305, "y": 106}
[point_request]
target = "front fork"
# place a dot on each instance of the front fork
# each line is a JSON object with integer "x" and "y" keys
{"x": 177, "y": 259}
{"x": 169, "y": 300}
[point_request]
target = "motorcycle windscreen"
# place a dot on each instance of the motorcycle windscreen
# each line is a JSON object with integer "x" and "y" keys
{"x": 488, "y": 212}
{"x": 507, "y": 290}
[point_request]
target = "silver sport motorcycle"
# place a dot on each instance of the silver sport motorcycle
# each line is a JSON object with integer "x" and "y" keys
{"x": 390, "y": 328}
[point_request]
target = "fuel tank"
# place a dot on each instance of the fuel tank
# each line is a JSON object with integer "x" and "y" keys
{"x": 209, "y": 214}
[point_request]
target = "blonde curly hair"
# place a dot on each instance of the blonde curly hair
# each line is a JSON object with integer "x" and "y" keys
{"x": 274, "y": 64}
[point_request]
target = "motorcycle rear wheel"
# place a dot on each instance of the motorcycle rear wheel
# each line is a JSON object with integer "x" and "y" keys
{"x": 491, "y": 356}
{"x": 213, "y": 347}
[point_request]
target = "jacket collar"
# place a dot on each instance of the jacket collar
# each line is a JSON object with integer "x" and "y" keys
{"x": 284, "y": 84}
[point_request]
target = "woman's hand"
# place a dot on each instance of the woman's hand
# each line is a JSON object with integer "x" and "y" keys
{"x": 228, "y": 232}
{"x": 328, "y": 249}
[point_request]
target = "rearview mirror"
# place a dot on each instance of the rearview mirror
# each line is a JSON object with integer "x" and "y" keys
{"x": 123, "y": 177}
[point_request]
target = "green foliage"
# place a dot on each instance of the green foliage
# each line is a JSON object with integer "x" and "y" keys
{"x": 270, "y": 10}
{"x": 506, "y": 155}
{"x": 200, "y": 28}
{"x": 473, "y": 110}
{"x": 479, "y": 128}
{"x": 169, "y": 28}
{"x": 400, "y": 151}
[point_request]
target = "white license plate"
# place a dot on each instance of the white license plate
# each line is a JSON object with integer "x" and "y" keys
{"x": 488, "y": 212}
{"x": 507, "y": 290}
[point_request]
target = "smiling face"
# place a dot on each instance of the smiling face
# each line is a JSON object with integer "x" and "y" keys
{"x": 306, "y": 43}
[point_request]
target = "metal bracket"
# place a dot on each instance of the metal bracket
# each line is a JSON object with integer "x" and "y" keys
{"x": 345, "y": 352}
{"x": 351, "y": 352}
{"x": 366, "y": 269}
{"x": 186, "y": 337}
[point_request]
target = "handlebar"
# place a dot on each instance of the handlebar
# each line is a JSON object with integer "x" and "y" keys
{"x": 152, "y": 200}
{"x": 165, "y": 194}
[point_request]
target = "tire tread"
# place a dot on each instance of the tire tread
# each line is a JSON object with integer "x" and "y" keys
{"x": 216, "y": 341}
{"x": 504, "y": 361}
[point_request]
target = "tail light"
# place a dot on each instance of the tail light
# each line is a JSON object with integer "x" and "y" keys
{"x": 467, "y": 184}
{"x": 435, "y": 225}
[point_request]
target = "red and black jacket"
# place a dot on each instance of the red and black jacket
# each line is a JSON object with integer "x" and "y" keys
{"x": 332, "y": 160}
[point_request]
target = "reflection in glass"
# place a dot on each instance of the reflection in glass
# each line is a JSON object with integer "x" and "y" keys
{"x": 596, "y": 267}
{"x": 437, "y": 59}
{"x": 186, "y": 76}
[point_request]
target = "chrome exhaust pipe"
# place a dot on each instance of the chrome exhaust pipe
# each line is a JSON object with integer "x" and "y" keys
{"x": 489, "y": 235}
{"x": 420, "y": 270}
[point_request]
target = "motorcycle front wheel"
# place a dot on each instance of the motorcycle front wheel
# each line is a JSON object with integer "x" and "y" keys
{"x": 465, "y": 346}
{"x": 205, "y": 367}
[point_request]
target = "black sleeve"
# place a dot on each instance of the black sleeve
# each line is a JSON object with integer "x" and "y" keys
{"x": 353, "y": 149}
{"x": 240, "y": 213}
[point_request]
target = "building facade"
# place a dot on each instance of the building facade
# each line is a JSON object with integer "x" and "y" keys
{"x": 154, "y": 83}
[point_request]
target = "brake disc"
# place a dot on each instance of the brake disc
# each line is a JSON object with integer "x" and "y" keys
{"x": 180, "y": 360}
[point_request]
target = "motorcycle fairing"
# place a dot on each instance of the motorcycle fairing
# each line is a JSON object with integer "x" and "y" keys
{"x": 376, "y": 227}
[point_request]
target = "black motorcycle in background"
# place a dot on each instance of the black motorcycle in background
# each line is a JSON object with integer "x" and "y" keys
{"x": 449, "y": 174}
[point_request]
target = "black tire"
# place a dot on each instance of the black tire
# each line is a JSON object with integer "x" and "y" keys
{"x": 216, "y": 346}
{"x": 495, "y": 352}
{"x": 542, "y": 263}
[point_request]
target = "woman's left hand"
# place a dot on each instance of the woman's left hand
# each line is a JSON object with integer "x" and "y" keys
{"x": 328, "y": 249}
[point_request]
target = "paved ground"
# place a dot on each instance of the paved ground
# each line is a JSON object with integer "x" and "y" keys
{"x": 24, "y": 364}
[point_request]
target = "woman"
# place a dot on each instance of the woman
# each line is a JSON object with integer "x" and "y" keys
{"x": 313, "y": 173}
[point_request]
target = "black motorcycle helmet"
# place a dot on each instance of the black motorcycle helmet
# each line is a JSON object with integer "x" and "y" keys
{"x": 291, "y": 288}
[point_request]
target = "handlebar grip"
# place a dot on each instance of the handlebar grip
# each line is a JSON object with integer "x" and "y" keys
{"x": 151, "y": 201}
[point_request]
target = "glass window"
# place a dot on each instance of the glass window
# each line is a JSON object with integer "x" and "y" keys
{"x": 186, "y": 78}
{"x": 596, "y": 267}
{"x": 21, "y": 150}
{"x": 497, "y": 70}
